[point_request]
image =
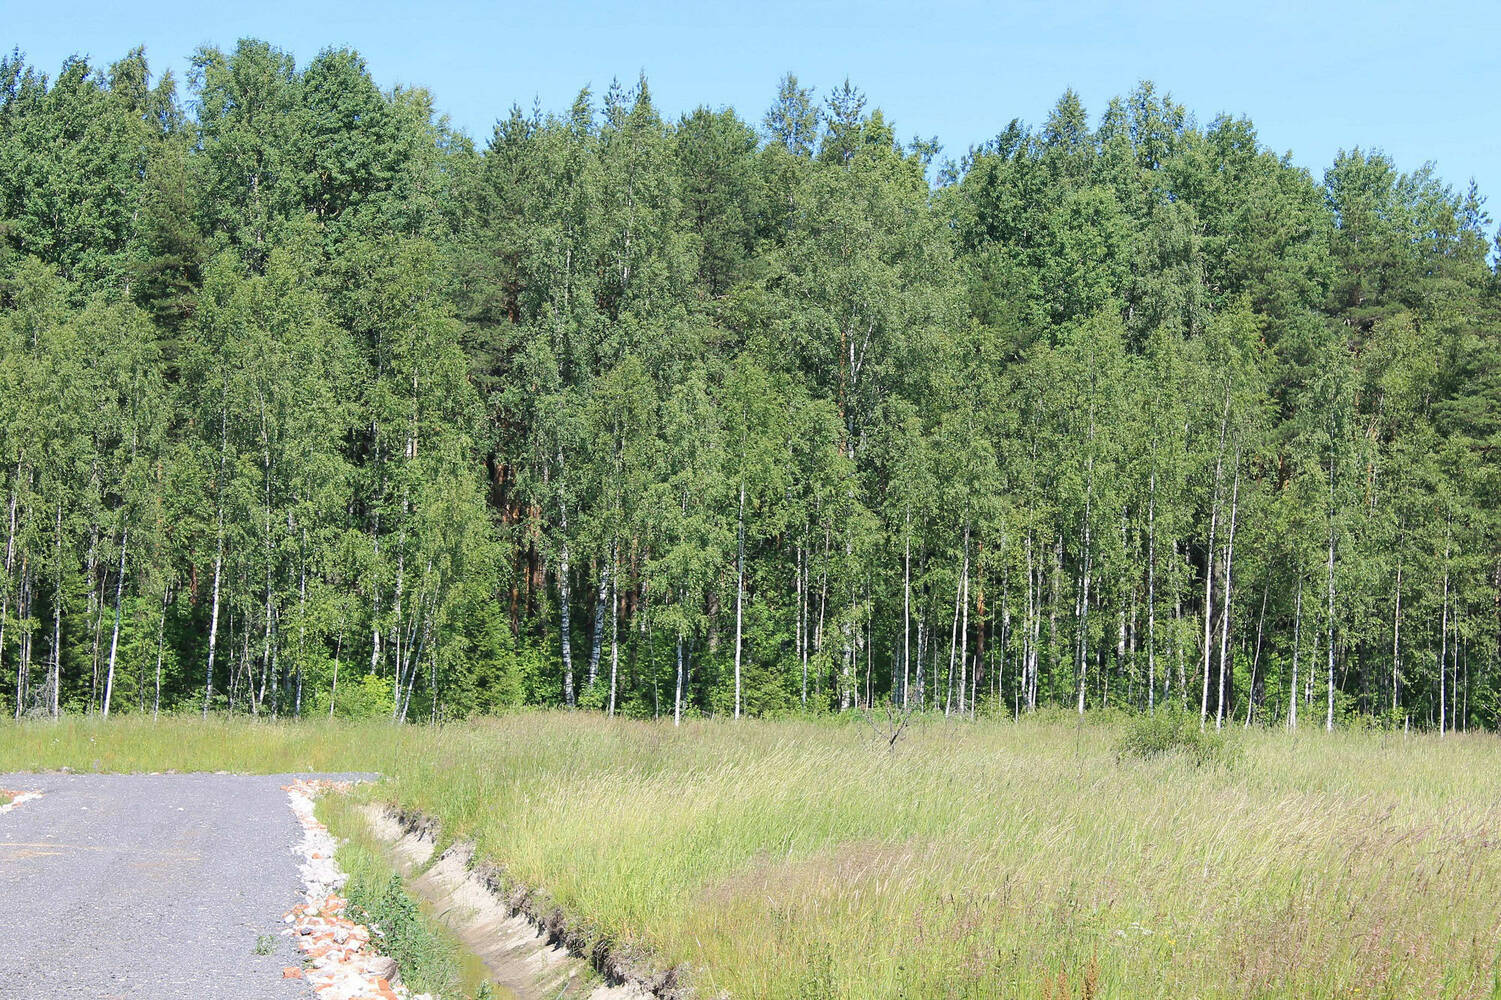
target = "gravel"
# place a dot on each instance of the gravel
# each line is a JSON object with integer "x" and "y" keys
{"x": 158, "y": 886}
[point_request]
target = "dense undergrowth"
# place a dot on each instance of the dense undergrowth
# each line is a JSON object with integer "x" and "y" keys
{"x": 795, "y": 859}
{"x": 1174, "y": 731}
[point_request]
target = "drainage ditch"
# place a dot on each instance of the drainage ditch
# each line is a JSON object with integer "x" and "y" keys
{"x": 509, "y": 950}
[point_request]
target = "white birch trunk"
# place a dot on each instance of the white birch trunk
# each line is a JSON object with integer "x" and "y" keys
{"x": 10, "y": 549}
{"x": 1152, "y": 595}
{"x": 114, "y": 639}
{"x": 161, "y": 633}
{"x": 614, "y": 626}
{"x": 948, "y": 697}
{"x": 301, "y": 621}
{"x": 1292, "y": 704}
{"x": 1209, "y": 604}
{"x": 1329, "y": 717}
{"x": 1219, "y": 715}
{"x": 739, "y": 594}
{"x": 565, "y": 625}
{"x": 333, "y": 690}
{"x": 1256, "y": 659}
{"x": 1396, "y": 641}
{"x": 800, "y": 609}
{"x": 213, "y": 625}
{"x": 55, "y": 683}
{"x": 907, "y": 615}
{"x": 1443, "y": 649}
{"x": 1084, "y": 613}
{"x": 964, "y": 625}
{"x": 1214, "y": 510}
{"x": 597, "y": 643}
{"x": 677, "y": 699}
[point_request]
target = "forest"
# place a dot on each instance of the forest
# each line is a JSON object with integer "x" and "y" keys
{"x": 311, "y": 405}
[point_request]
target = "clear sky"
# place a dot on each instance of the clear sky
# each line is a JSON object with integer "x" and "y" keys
{"x": 1420, "y": 79}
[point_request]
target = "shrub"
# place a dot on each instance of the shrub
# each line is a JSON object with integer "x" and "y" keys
{"x": 1171, "y": 730}
{"x": 359, "y": 696}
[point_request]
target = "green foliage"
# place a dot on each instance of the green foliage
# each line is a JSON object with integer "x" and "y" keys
{"x": 671, "y": 417}
{"x": 401, "y": 932}
{"x": 428, "y": 958}
{"x": 363, "y": 696}
{"x": 1174, "y": 732}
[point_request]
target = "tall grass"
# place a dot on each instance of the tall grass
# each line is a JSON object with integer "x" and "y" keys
{"x": 803, "y": 860}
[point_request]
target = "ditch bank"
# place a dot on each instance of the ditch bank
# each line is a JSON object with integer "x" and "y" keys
{"x": 530, "y": 947}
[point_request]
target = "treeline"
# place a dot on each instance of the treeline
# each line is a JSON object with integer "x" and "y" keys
{"x": 307, "y": 405}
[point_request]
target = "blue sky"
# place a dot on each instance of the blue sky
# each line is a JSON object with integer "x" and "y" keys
{"x": 1420, "y": 80}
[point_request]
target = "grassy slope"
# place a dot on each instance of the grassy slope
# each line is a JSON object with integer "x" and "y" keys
{"x": 794, "y": 859}
{"x": 431, "y": 960}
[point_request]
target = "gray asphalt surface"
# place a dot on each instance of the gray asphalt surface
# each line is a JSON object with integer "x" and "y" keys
{"x": 147, "y": 887}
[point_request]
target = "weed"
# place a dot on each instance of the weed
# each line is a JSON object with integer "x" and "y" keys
{"x": 265, "y": 944}
{"x": 428, "y": 960}
{"x": 432, "y": 961}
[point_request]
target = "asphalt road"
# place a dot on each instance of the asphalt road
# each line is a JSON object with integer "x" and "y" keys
{"x": 147, "y": 887}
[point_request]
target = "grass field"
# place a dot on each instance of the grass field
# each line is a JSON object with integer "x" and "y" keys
{"x": 991, "y": 859}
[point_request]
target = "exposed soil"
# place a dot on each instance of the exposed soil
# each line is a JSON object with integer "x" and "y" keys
{"x": 520, "y": 951}
{"x": 341, "y": 964}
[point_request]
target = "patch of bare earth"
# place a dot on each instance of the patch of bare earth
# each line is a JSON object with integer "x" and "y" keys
{"x": 522, "y": 953}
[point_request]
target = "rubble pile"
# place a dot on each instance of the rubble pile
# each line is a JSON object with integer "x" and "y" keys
{"x": 339, "y": 962}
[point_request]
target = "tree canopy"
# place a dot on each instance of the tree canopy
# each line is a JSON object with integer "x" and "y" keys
{"x": 308, "y": 404}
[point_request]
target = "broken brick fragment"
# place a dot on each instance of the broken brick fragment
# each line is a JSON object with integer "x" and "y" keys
{"x": 341, "y": 967}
